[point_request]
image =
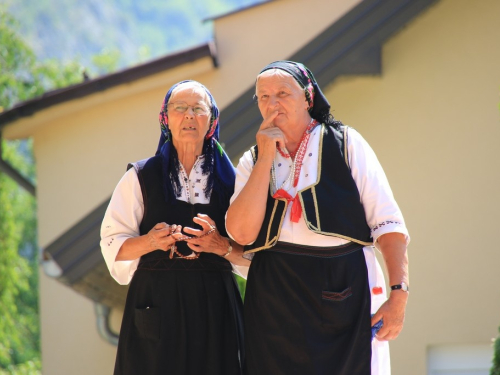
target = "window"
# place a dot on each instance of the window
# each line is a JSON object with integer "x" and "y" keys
{"x": 459, "y": 359}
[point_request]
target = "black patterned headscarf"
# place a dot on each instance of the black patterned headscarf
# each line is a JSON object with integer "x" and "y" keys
{"x": 319, "y": 108}
{"x": 215, "y": 164}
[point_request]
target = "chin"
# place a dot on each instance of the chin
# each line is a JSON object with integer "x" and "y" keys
{"x": 280, "y": 123}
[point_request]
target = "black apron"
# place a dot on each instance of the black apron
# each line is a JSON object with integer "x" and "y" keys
{"x": 307, "y": 311}
{"x": 182, "y": 316}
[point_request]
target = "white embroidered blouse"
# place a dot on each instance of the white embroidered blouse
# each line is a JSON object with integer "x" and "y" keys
{"x": 382, "y": 212}
{"x": 126, "y": 210}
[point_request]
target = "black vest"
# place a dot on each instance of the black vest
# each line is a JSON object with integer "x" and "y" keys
{"x": 156, "y": 209}
{"x": 331, "y": 206}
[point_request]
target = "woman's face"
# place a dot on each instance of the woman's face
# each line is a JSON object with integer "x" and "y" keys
{"x": 188, "y": 114}
{"x": 278, "y": 91}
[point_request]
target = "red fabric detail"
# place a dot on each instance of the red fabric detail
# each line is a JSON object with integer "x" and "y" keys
{"x": 296, "y": 206}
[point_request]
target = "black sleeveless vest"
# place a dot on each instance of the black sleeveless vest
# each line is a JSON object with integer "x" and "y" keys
{"x": 156, "y": 209}
{"x": 331, "y": 206}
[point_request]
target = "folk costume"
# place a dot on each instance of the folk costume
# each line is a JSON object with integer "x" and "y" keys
{"x": 314, "y": 280}
{"x": 182, "y": 315}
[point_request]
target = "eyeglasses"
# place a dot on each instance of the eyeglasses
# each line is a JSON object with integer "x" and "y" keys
{"x": 198, "y": 109}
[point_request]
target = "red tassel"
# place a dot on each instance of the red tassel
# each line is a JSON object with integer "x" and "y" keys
{"x": 296, "y": 210}
{"x": 296, "y": 206}
{"x": 282, "y": 194}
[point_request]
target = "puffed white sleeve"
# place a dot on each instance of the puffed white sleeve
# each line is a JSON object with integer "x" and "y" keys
{"x": 121, "y": 222}
{"x": 243, "y": 171}
{"x": 381, "y": 209}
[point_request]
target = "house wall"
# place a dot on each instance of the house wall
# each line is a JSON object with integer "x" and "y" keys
{"x": 433, "y": 119}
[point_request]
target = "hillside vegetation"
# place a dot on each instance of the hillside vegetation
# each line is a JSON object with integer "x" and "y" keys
{"x": 125, "y": 32}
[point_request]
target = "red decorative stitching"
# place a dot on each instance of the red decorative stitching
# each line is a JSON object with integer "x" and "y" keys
{"x": 387, "y": 222}
{"x": 334, "y": 296}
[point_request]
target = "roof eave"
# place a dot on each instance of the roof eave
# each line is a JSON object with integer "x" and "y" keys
{"x": 59, "y": 96}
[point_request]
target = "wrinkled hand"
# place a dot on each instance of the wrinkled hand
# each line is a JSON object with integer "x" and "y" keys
{"x": 161, "y": 236}
{"x": 393, "y": 314}
{"x": 269, "y": 136}
{"x": 202, "y": 240}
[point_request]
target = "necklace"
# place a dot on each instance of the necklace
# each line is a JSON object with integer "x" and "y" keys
{"x": 298, "y": 158}
{"x": 173, "y": 249}
{"x": 306, "y": 134}
{"x": 185, "y": 179}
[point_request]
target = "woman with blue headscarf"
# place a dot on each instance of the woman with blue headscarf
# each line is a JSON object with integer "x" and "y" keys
{"x": 164, "y": 233}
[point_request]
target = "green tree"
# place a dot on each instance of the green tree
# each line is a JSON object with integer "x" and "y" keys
{"x": 22, "y": 77}
{"x": 495, "y": 369}
{"x": 107, "y": 60}
{"x": 19, "y": 326}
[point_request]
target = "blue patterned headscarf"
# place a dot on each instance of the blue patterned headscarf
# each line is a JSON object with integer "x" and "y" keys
{"x": 215, "y": 164}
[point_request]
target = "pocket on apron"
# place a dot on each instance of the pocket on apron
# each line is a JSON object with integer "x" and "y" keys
{"x": 336, "y": 309}
{"x": 147, "y": 322}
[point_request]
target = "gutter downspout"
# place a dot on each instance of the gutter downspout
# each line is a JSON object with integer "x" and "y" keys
{"x": 103, "y": 314}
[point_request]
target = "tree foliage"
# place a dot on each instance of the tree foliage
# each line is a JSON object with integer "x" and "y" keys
{"x": 22, "y": 77}
{"x": 19, "y": 326}
{"x": 495, "y": 369}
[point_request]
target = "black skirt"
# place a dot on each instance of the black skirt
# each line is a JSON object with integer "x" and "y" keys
{"x": 181, "y": 317}
{"x": 307, "y": 311}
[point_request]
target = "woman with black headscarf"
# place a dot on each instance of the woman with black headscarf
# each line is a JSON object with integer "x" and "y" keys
{"x": 163, "y": 233}
{"x": 310, "y": 202}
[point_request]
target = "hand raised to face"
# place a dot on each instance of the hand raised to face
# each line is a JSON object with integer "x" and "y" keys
{"x": 269, "y": 136}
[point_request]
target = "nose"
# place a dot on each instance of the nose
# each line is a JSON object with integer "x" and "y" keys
{"x": 274, "y": 101}
{"x": 189, "y": 113}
